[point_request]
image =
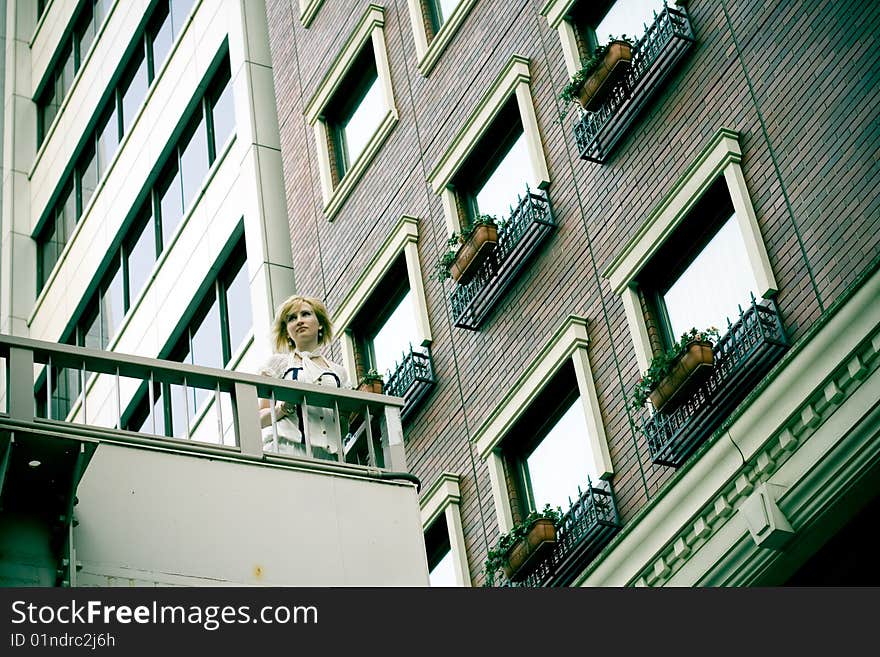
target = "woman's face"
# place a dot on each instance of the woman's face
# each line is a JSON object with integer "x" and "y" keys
{"x": 303, "y": 326}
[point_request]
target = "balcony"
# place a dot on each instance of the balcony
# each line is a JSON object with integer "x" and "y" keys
{"x": 654, "y": 57}
{"x": 519, "y": 237}
{"x": 587, "y": 527}
{"x": 206, "y": 507}
{"x": 742, "y": 357}
{"x": 412, "y": 380}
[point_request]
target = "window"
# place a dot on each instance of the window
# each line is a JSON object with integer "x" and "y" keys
{"x": 665, "y": 251}
{"x": 352, "y": 112}
{"x": 69, "y": 60}
{"x": 383, "y": 321}
{"x": 434, "y": 24}
{"x": 546, "y": 437}
{"x": 176, "y": 189}
{"x": 211, "y": 338}
{"x": 500, "y": 135}
{"x": 444, "y": 538}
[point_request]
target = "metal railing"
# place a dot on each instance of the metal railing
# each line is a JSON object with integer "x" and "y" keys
{"x": 742, "y": 356}
{"x": 654, "y": 56}
{"x": 108, "y": 379}
{"x": 587, "y": 527}
{"x": 519, "y": 236}
{"x": 412, "y": 379}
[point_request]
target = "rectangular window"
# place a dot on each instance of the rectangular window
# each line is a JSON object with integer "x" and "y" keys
{"x": 140, "y": 255}
{"x": 439, "y": 12}
{"x": 193, "y": 159}
{"x": 222, "y": 110}
{"x": 160, "y": 37}
{"x": 134, "y": 88}
{"x": 87, "y": 179}
{"x": 170, "y": 201}
{"x": 441, "y": 565}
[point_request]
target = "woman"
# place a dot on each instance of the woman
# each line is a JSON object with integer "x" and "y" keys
{"x": 301, "y": 327}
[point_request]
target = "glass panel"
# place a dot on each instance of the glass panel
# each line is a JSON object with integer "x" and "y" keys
{"x": 627, "y": 17}
{"x": 207, "y": 347}
{"x": 223, "y": 114}
{"x": 444, "y": 9}
{"x": 47, "y": 114}
{"x": 66, "y": 218}
{"x": 161, "y": 37}
{"x": 108, "y": 139}
{"x": 141, "y": 258}
{"x": 238, "y": 308}
{"x": 500, "y": 192}
{"x": 134, "y": 90}
{"x": 443, "y": 574}
{"x": 562, "y": 461}
{"x": 112, "y": 307}
{"x": 713, "y": 286}
{"x": 88, "y": 175}
{"x": 65, "y": 388}
{"x": 90, "y": 328}
{"x": 87, "y": 31}
{"x": 49, "y": 250}
{"x": 395, "y": 336}
{"x": 65, "y": 76}
{"x": 179, "y": 12}
{"x": 102, "y": 8}
{"x": 194, "y": 160}
{"x": 170, "y": 205}
{"x": 363, "y": 122}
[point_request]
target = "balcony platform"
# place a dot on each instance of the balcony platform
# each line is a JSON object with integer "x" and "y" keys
{"x": 412, "y": 379}
{"x": 529, "y": 225}
{"x": 743, "y": 356}
{"x": 654, "y": 57}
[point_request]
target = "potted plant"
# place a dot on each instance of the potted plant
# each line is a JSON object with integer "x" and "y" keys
{"x": 467, "y": 250}
{"x": 371, "y": 382}
{"x": 676, "y": 370}
{"x": 590, "y": 85}
{"x": 523, "y": 545}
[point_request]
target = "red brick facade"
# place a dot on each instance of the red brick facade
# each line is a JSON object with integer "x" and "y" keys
{"x": 798, "y": 81}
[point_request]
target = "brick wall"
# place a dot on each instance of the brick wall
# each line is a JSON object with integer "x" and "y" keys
{"x": 797, "y": 80}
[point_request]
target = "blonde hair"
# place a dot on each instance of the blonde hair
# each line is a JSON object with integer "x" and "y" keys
{"x": 281, "y": 339}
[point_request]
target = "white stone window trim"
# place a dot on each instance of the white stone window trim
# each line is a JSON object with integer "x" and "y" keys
{"x": 371, "y": 27}
{"x": 308, "y": 9}
{"x": 514, "y": 79}
{"x": 569, "y": 342}
{"x": 429, "y": 53}
{"x": 556, "y": 13}
{"x": 722, "y": 156}
{"x": 443, "y": 498}
{"x": 403, "y": 239}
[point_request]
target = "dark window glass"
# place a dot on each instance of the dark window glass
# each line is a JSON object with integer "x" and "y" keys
{"x": 90, "y": 331}
{"x": 112, "y": 305}
{"x": 140, "y": 256}
{"x": 161, "y": 36}
{"x": 134, "y": 89}
{"x": 88, "y": 176}
{"x": 238, "y": 308}
{"x": 170, "y": 204}
{"x": 193, "y": 159}
{"x": 108, "y": 139}
{"x": 64, "y": 81}
{"x": 66, "y": 217}
{"x": 49, "y": 250}
{"x": 223, "y": 114}
{"x": 86, "y": 31}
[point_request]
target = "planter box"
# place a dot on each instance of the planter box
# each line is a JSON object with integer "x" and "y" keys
{"x": 370, "y": 386}
{"x": 529, "y": 550}
{"x": 692, "y": 367}
{"x": 613, "y": 66}
{"x": 473, "y": 252}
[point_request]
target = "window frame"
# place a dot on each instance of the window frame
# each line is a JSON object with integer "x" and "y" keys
{"x": 443, "y": 498}
{"x": 402, "y": 241}
{"x": 429, "y": 47}
{"x": 721, "y": 157}
{"x": 514, "y": 80}
{"x": 370, "y": 30}
{"x": 569, "y": 343}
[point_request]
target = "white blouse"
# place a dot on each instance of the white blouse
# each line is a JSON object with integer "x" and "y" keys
{"x": 311, "y": 368}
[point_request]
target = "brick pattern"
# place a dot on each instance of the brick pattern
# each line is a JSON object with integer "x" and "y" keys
{"x": 813, "y": 69}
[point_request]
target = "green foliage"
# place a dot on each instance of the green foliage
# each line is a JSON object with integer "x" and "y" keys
{"x": 370, "y": 376}
{"x": 453, "y": 244}
{"x": 664, "y": 363}
{"x": 571, "y": 91}
{"x": 497, "y": 556}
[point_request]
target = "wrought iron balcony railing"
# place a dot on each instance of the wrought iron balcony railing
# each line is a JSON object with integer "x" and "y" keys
{"x": 519, "y": 237}
{"x": 654, "y": 57}
{"x": 412, "y": 379}
{"x": 587, "y": 527}
{"x": 742, "y": 356}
